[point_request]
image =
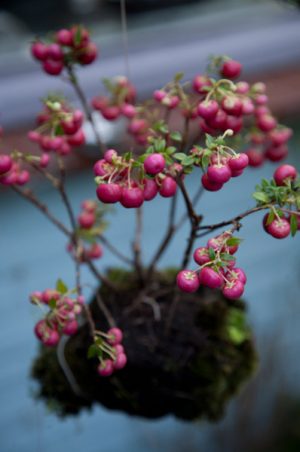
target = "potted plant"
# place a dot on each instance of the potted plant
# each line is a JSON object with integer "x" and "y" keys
{"x": 152, "y": 341}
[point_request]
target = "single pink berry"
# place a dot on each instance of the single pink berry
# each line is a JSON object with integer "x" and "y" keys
{"x": 64, "y": 37}
{"x": 231, "y": 69}
{"x": 23, "y": 177}
{"x": 234, "y": 123}
{"x": 150, "y": 189}
{"x": 219, "y": 174}
{"x": 95, "y": 251}
{"x": 201, "y": 255}
{"x": 105, "y": 368}
{"x": 54, "y": 52}
{"x": 86, "y": 220}
{"x": 50, "y": 338}
{"x": 233, "y": 289}
{"x": 256, "y": 158}
{"x": 284, "y": 173}
{"x": 120, "y": 361}
{"x": 238, "y": 162}
{"x": 50, "y": 294}
{"x": 209, "y": 184}
{"x": 44, "y": 160}
{"x": 238, "y": 273}
{"x": 280, "y": 136}
{"x": 111, "y": 112}
{"x": 70, "y": 328}
{"x": 39, "y": 51}
{"x": 187, "y": 281}
{"x": 218, "y": 121}
{"x": 128, "y": 110}
{"x": 159, "y": 95}
{"x": 168, "y": 187}
{"x": 34, "y": 136}
{"x": 119, "y": 348}
{"x": 276, "y": 153}
{"x": 154, "y": 163}
{"x": 53, "y": 67}
{"x": 200, "y": 83}
{"x": 110, "y": 155}
{"x": 266, "y": 123}
{"x": 6, "y": 163}
{"x": 279, "y": 228}
{"x": 109, "y": 193}
{"x": 115, "y": 336}
{"x": 132, "y": 197}
{"x": 78, "y": 139}
{"x": 210, "y": 278}
{"x": 232, "y": 105}
{"x": 88, "y": 54}
{"x": 208, "y": 109}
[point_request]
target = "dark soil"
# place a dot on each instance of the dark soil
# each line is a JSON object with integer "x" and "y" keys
{"x": 190, "y": 371}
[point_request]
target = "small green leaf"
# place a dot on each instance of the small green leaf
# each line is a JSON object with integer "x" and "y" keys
{"x": 294, "y": 224}
{"x": 61, "y": 286}
{"x": 270, "y": 217}
{"x": 52, "y": 303}
{"x": 179, "y": 76}
{"x": 211, "y": 253}
{"x": 179, "y": 156}
{"x": 170, "y": 150}
{"x": 261, "y": 196}
{"x": 227, "y": 257}
{"x": 176, "y": 136}
{"x": 233, "y": 241}
{"x": 209, "y": 140}
{"x": 188, "y": 160}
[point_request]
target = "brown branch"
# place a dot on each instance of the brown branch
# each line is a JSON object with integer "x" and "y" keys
{"x": 136, "y": 246}
{"x": 74, "y": 81}
{"x": 115, "y": 251}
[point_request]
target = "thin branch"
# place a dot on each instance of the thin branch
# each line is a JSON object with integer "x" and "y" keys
{"x": 100, "y": 276}
{"x": 137, "y": 243}
{"x": 29, "y": 196}
{"x": 75, "y": 83}
{"x": 105, "y": 310}
{"x": 115, "y": 251}
{"x": 125, "y": 36}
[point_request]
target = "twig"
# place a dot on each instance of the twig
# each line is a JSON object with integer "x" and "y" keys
{"x": 29, "y": 196}
{"x": 101, "y": 277}
{"x": 137, "y": 243}
{"x": 105, "y": 310}
{"x": 125, "y": 36}
{"x": 74, "y": 81}
{"x": 115, "y": 251}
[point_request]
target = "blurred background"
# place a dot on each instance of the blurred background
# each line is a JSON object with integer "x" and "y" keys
{"x": 164, "y": 37}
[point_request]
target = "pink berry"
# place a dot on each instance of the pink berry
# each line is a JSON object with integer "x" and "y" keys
{"x": 232, "y": 105}
{"x": 77, "y": 139}
{"x": 280, "y": 136}
{"x": 159, "y": 95}
{"x": 218, "y": 121}
{"x": 132, "y": 197}
{"x": 168, "y": 187}
{"x": 201, "y": 82}
{"x": 6, "y": 164}
{"x": 234, "y": 123}
{"x": 109, "y": 193}
{"x": 231, "y": 69}
{"x": 187, "y": 281}
{"x": 242, "y": 87}
{"x": 111, "y": 112}
{"x": 279, "y": 229}
{"x": 110, "y": 155}
{"x": 256, "y": 158}
{"x": 50, "y": 338}
{"x": 70, "y": 328}
{"x": 210, "y": 278}
{"x": 150, "y": 189}
{"x": 208, "y": 109}
{"x": 233, "y": 289}
{"x": 53, "y": 67}
{"x": 247, "y": 107}
{"x": 49, "y": 294}
{"x": 44, "y": 160}
{"x": 120, "y": 361}
{"x": 95, "y": 252}
{"x": 119, "y": 349}
{"x": 128, "y": 110}
{"x": 55, "y": 52}
{"x": 34, "y": 136}
{"x": 105, "y": 368}
{"x": 39, "y": 51}
{"x": 88, "y": 54}
{"x": 201, "y": 255}
{"x": 284, "y": 173}
{"x": 238, "y": 162}
{"x": 115, "y": 336}
{"x": 276, "y": 153}
{"x": 209, "y": 184}
{"x": 266, "y": 123}
{"x": 64, "y": 37}
{"x": 86, "y": 220}
{"x": 23, "y": 177}
{"x": 238, "y": 273}
{"x": 154, "y": 163}
{"x": 219, "y": 174}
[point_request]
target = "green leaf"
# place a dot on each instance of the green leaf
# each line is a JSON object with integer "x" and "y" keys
{"x": 127, "y": 156}
{"x": 92, "y": 351}
{"x": 261, "y": 196}
{"x": 294, "y": 224}
{"x": 270, "y": 217}
{"x": 176, "y": 136}
{"x": 78, "y": 36}
{"x": 209, "y": 140}
{"x": 211, "y": 253}
{"x": 58, "y": 131}
{"x": 52, "y": 303}
{"x": 179, "y": 156}
{"x": 170, "y": 150}
{"x": 188, "y": 160}
{"x": 61, "y": 286}
{"x": 160, "y": 145}
{"x": 233, "y": 241}
{"x": 236, "y": 335}
{"x": 227, "y": 257}
{"x": 179, "y": 76}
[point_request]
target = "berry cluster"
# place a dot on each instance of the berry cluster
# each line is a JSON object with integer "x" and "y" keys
{"x": 11, "y": 172}
{"x": 61, "y": 317}
{"x": 90, "y": 227}
{"x": 109, "y": 350}
{"x": 217, "y": 268}
{"x": 284, "y": 188}
{"x": 122, "y": 179}
{"x": 59, "y": 127}
{"x": 121, "y": 100}
{"x": 67, "y": 47}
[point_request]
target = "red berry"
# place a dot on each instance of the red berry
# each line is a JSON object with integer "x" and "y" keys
{"x": 209, "y": 184}
{"x": 64, "y": 37}
{"x": 120, "y": 361}
{"x": 232, "y": 105}
{"x": 70, "y": 328}
{"x": 128, "y": 110}
{"x": 233, "y": 289}
{"x": 159, "y": 95}
{"x": 168, "y": 187}
{"x": 238, "y": 162}
{"x": 200, "y": 82}
{"x": 284, "y": 173}
{"x": 210, "y": 278}
{"x": 266, "y": 122}
{"x": 188, "y": 281}
{"x": 55, "y": 52}
{"x": 6, "y": 164}
{"x": 256, "y": 158}
{"x": 150, "y": 189}
{"x": 279, "y": 228}
{"x": 201, "y": 255}
{"x": 88, "y": 54}
{"x": 95, "y": 251}
{"x": 219, "y": 174}
{"x": 53, "y": 67}
{"x": 238, "y": 273}
{"x": 109, "y": 193}
{"x": 208, "y": 109}
{"x": 116, "y": 336}
{"x": 277, "y": 153}
{"x": 231, "y": 69}
{"x": 105, "y": 368}
{"x": 77, "y": 139}
{"x": 110, "y": 155}
{"x": 132, "y": 197}
{"x": 39, "y": 51}
{"x": 86, "y": 220}
{"x": 111, "y": 112}
{"x": 154, "y": 163}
